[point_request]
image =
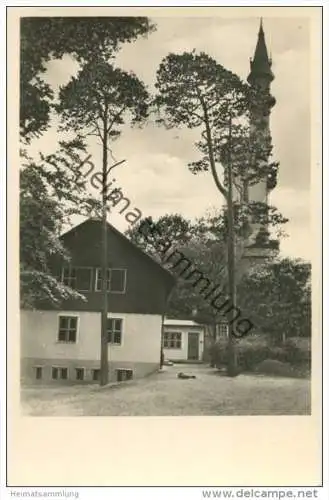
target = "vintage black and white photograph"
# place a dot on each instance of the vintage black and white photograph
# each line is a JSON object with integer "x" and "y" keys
{"x": 165, "y": 225}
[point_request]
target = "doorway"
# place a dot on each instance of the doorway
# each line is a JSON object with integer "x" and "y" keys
{"x": 193, "y": 346}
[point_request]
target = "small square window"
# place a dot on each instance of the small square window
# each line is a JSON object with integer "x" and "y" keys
{"x": 99, "y": 280}
{"x": 172, "y": 340}
{"x": 96, "y": 375}
{"x": 123, "y": 375}
{"x": 69, "y": 277}
{"x": 38, "y": 372}
{"x": 115, "y": 280}
{"x": 77, "y": 277}
{"x": 79, "y": 374}
{"x": 83, "y": 281}
{"x": 222, "y": 330}
{"x": 59, "y": 373}
{"x": 67, "y": 329}
{"x": 114, "y": 330}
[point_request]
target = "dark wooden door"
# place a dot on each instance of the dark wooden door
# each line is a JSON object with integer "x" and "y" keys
{"x": 193, "y": 346}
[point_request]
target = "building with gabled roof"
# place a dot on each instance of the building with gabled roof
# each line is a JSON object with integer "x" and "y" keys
{"x": 63, "y": 344}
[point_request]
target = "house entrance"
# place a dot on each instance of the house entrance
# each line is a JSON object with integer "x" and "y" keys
{"x": 193, "y": 346}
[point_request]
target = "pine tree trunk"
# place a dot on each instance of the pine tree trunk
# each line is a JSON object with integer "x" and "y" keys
{"x": 104, "y": 372}
{"x": 232, "y": 361}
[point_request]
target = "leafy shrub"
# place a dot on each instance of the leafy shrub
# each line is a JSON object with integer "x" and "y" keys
{"x": 276, "y": 297}
{"x": 274, "y": 367}
{"x": 278, "y": 353}
{"x": 218, "y": 353}
{"x": 298, "y": 350}
{"x": 251, "y": 351}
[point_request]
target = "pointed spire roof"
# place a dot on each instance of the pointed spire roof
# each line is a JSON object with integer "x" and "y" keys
{"x": 260, "y": 65}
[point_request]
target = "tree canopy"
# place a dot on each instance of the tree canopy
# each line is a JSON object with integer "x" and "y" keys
{"x": 277, "y": 298}
{"x": 98, "y": 99}
{"x": 203, "y": 249}
{"x": 51, "y": 188}
{"x": 195, "y": 91}
{"x": 47, "y": 38}
{"x": 274, "y": 296}
{"x": 172, "y": 227}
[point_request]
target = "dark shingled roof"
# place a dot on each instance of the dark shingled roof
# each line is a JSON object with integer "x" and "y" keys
{"x": 260, "y": 65}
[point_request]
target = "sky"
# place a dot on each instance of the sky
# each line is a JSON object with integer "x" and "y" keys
{"x": 155, "y": 176}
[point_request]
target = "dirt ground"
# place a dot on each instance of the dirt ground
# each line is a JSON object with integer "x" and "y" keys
{"x": 164, "y": 394}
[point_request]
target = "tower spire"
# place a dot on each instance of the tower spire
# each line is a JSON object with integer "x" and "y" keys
{"x": 261, "y": 102}
{"x": 260, "y": 65}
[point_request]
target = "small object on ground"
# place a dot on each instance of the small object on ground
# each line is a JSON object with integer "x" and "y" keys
{"x": 185, "y": 376}
{"x": 167, "y": 362}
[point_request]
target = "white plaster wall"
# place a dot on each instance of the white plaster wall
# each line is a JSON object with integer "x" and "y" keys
{"x": 141, "y": 339}
{"x": 180, "y": 354}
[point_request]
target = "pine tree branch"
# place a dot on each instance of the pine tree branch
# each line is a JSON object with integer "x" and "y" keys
{"x": 219, "y": 185}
